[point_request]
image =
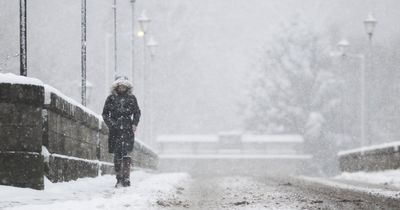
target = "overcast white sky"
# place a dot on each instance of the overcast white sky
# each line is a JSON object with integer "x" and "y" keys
{"x": 207, "y": 49}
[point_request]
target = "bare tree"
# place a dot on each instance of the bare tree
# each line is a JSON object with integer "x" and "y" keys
{"x": 294, "y": 86}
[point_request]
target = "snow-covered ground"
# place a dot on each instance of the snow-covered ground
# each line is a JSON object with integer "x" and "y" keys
{"x": 178, "y": 191}
{"x": 380, "y": 183}
{"x": 387, "y": 177}
{"x": 96, "y": 193}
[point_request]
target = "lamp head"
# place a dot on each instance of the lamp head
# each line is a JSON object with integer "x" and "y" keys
{"x": 144, "y": 21}
{"x": 370, "y": 24}
{"x": 343, "y": 45}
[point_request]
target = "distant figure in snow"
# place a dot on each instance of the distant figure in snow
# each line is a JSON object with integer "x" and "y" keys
{"x": 121, "y": 114}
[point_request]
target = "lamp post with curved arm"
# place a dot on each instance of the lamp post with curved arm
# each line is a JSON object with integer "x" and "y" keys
{"x": 152, "y": 45}
{"x": 343, "y": 46}
{"x": 370, "y": 24}
{"x": 144, "y": 22}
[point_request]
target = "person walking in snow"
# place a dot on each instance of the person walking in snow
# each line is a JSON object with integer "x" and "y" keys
{"x": 121, "y": 114}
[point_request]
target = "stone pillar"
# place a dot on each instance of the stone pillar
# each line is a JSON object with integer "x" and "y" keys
{"x": 21, "y": 163}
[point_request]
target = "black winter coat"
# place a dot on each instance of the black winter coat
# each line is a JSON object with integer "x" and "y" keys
{"x": 120, "y": 112}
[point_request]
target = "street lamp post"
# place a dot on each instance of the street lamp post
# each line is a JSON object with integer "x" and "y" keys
{"x": 370, "y": 24}
{"x": 110, "y": 73}
{"x": 133, "y": 41}
{"x": 83, "y": 52}
{"x": 152, "y": 45}
{"x": 144, "y": 22}
{"x": 23, "y": 38}
{"x": 343, "y": 45}
{"x": 114, "y": 7}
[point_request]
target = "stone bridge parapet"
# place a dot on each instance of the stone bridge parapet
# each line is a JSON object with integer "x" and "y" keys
{"x": 44, "y": 133}
{"x": 373, "y": 158}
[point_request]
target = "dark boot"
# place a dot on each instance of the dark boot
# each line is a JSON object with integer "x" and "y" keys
{"x": 126, "y": 170}
{"x": 118, "y": 172}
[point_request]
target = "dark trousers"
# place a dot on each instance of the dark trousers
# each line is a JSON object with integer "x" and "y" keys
{"x": 122, "y": 162}
{"x": 120, "y": 151}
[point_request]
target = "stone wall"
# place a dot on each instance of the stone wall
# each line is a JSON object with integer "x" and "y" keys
{"x": 58, "y": 139}
{"x": 384, "y": 158}
{"x": 69, "y": 132}
{"x": 144, "y": 157}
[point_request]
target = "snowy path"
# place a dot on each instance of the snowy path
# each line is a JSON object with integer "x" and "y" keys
{"x": 247, "y": 193}
{"x": 179, "y": 191}
{"x": 96, "y": 193}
